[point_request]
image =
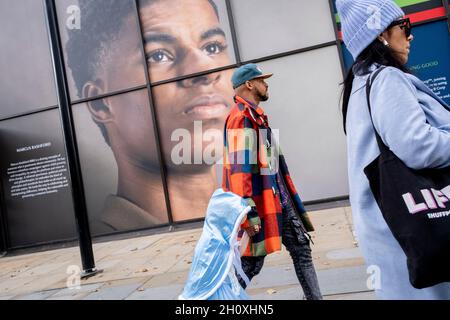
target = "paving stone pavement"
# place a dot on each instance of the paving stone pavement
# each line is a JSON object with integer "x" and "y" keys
{"x": 155, "y": 267}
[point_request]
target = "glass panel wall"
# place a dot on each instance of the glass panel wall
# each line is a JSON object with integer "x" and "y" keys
{"x": 26, "y": 77}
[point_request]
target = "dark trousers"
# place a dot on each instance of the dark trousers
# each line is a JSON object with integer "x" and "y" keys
{"x": 298, "y": 246}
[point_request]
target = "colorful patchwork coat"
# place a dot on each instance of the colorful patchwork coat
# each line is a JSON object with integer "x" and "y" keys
{"x": 250, "y": 172}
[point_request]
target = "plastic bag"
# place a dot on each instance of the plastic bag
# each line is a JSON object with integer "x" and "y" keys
{"x": 218, "y": 251}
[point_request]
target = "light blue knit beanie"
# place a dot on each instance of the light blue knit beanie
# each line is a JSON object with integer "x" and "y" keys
{"x": 363, "y": 20}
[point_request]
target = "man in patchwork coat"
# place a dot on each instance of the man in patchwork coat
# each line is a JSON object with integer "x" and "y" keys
{"x": 255, "y": 169}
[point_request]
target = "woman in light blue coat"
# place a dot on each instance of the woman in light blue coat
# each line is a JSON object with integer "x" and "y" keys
{"x": 411, "y": 120}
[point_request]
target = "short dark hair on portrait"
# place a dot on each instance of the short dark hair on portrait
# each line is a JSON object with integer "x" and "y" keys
{"x": 101, "y": 21}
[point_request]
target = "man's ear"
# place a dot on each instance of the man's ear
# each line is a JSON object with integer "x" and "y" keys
{"x": 100, "y": 110}
{"x": 249, "y": 85}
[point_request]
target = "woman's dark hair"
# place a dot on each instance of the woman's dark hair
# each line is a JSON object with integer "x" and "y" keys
{"x": 376, "y": 52}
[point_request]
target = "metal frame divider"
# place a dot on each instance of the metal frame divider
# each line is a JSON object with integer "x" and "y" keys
{"x": 73, "y": 161}
{"x": 156, "y": 130}
{"x": 237, "y": 52}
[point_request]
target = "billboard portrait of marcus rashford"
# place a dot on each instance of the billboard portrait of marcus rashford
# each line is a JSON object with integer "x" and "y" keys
{"x": 113, "y": 116}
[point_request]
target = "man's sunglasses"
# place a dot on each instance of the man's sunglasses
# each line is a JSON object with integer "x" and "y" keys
{"x": 405, "y": 24}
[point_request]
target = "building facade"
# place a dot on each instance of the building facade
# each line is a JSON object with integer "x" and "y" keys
{"x": 116, "y": 112}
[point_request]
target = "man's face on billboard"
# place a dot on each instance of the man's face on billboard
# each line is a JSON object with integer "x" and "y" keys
{"x": 184, "y": 37}
{"x": 126, "y": 117}
{"x": 180, "y": 37}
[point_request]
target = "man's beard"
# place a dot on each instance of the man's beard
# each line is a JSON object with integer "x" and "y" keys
{"x": 262, "y": 97}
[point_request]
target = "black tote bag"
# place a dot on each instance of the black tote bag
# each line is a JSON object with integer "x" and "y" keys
{"x": 415, "y": 205}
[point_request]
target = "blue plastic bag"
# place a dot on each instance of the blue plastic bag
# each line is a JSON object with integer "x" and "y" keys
{"x": 216, "y": 256}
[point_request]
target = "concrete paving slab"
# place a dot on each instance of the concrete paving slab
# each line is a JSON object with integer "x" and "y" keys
{"x": 166, "y": 279}
{"x": 292, "y": 292}
{"x": 108, "y": 264}
{"x": 68, "y": 298}
{"x": 274, "y": 276}
{"x": 132, "y": 266}
{"x": 45, "y": 269}
{"x": 8, "y": 286}
{"x": 184, "y": 262}
{"x": 113, "y": 292}
{"x": 343, "y": 280}
{"x": 343, "y": 254}
{"x": 36, "y": 296}
{"x": 42, "y": 282}
{"x": 139, "y": 245}
{"x": 17, "y": 268}
{"x": 167, "y": 256}
{"x": 332, "y": 281}
{"x": 367, "y": 295}
{"x": 83, "y": 290}
{"x": 170, "y": 292}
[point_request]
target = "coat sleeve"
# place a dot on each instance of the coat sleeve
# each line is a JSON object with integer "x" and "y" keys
{"x": 241, "y": 148}
{"x": 402, "y": 125}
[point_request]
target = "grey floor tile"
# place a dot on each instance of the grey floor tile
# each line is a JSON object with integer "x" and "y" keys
{"x": 74, "y": 292}
{"x": 343, "y": 280}
{"x": 343, "y": 254}
{"x": 160, "y": 293}
{"x": 331, "y": 281}
{"x": 369, "y": 295}
{"x": 113, "y": 292}
{"x": 288, "y": 293}
{"x": 36, "y": 295}
{"x": 70, "y": 298}
{"x": 274, "y": 277}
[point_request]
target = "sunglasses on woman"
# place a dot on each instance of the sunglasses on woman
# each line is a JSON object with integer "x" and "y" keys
{"x": 405, "y": 24}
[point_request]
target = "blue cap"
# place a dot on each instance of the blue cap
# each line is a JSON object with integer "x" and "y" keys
{"x": 247, "y": 72}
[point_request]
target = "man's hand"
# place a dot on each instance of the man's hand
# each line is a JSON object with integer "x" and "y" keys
{"x": 251, "y": 231}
